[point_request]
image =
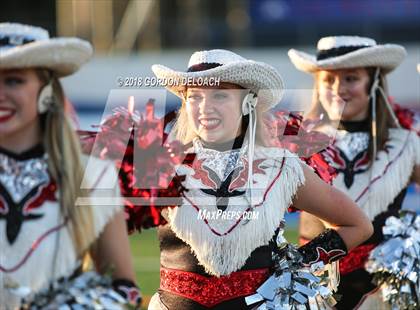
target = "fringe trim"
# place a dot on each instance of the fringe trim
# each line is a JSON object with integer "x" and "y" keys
{"x": 222, "y": 255}
{"x": 396, "y": 176}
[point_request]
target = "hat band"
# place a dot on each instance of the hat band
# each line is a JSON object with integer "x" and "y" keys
{"x": 203, "y": 66}
{"x": 14, "y": 40}
{"x": 338, "y": 51}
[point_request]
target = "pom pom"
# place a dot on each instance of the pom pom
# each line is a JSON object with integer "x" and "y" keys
{"x": 146, "y": 164}
{"x": 395, "y": 263}
{"x": 87, "y": 291}
{"x": 406, "y": 117}
{"x": 289, "y": 131}
{"x": 293, "y": 285}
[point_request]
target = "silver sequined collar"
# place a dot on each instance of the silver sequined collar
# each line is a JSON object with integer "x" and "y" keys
{"x": 20, "y": 176}
{"x": 222, "y": 163}
{"x": 352, "y": 143}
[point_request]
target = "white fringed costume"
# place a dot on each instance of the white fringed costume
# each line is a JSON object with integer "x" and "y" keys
{"x": 35, "y": 242}
{"x": 375, "y": 188}
{"x": 379, "y": 190}
{"x": 206, "y": 238}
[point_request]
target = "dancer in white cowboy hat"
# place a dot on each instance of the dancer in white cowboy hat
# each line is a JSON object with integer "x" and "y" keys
{"x": 43, "y": 233}
{"x": 375, "y": 158}
{"x": 211, "y": 259}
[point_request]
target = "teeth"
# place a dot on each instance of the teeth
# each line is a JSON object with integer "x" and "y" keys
{"x": 5, "y": 113}
{"x": 209, "y": 122}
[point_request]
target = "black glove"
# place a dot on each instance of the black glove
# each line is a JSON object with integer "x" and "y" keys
{"x": 326, "y": 247}
{"x": 129, "y": 291}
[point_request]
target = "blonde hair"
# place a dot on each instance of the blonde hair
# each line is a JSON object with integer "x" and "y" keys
{"x": 65, "y": 165}
{"x": 383, "y": 117}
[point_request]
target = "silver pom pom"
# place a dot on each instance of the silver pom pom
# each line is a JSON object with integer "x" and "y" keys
{"x": 87, "y": 291}
{"x": 293, "y": 286}
{"x": 395, "y": 263}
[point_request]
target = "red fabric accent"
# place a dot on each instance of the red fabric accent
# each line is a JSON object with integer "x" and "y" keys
{"x": 327, "y": 256}
{"x": 132, "y": 294}
{"x": 242, "y": 178}
{"x": 124, "y": 139}
{"x": 356, "y": 258}
{"x": 3, "y": 206}
{"x": 321, "y": 166}
{"x": 202, "y": 175}
{"x": 46, "y": 192}
{"x": 362, "y": 164}
{"x": 248, "y": 209}
{"x": 406, "y": 117}
{"x": 292, "y": 209}
{"x": 288, "y": 130}
{"x": 210, "y": 291}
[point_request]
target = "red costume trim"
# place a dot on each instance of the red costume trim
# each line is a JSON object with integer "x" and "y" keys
{"x": 46, "y": 193}
{"x": 247, "y": 210}
{"x": 210, "y": 291}
{"x": 356, "y": 258}
{"x": 327, "y": 256}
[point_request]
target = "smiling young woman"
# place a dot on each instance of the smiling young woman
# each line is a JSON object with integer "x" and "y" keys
{"x": 343, "y": 94}
{"x": 374, "y": 157}
{"x": 236, "y": 171}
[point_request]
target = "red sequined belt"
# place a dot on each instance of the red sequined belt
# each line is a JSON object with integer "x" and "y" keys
{"x": 210, "y": 291}
{"x": 356, "y": 258}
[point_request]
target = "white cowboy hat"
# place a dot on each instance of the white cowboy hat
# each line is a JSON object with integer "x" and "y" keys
{"x": 24, "y": 46}
{"x": 340, "y": 52}
{"x": 260, "y": 78}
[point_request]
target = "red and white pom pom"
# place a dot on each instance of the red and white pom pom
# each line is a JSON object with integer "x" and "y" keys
{"x": 146, "y": 164}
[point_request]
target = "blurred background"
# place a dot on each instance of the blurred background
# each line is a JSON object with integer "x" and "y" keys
{"x": 131, "y": 35}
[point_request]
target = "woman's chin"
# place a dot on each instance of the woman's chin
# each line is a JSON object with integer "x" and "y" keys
{"x": 214, "y": 137}
{"x": 210, "y": 138}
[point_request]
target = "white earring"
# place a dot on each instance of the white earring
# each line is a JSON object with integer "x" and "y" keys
{"x": 249, "y": 103}
{"x": 45, "y": 99}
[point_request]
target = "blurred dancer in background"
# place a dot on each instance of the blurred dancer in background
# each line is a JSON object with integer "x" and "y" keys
{"x": 375, "y": 157}
{"x": 44, "y": 234}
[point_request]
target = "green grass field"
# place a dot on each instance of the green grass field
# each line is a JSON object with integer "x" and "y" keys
{"x": 145, "y": 251}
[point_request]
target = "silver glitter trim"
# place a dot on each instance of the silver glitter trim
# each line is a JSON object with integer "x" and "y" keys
{"x": 19, "y": 177}
{"x": 222, "y": 163}
{"x": 352, "y": 143}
